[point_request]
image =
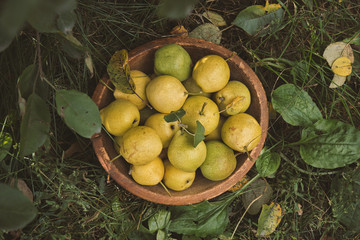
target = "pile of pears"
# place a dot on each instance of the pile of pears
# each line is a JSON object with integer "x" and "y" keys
{"x": 163, "y": 152}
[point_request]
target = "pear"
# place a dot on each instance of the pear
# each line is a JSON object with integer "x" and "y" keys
{"x": 166, "y": 130}
{"x": 148, "y": 174}
{"x": 192, "y": 88}
{"x": 220, "y": 161}
{"x": 140, "y": 81}
{"x": 216, "y": 134}
{"x": 140, "y": 145}
{"x": 241, "y": 132}
{"x": 176, "y": 179}
{"x": 182, "y": 154}
{"x": 173, "y": 60}
{"x": 234, "y": 98}
{"x": 166, "y": 93}
{"x": 202, "y": 109}
{"x": 119, "y": 116}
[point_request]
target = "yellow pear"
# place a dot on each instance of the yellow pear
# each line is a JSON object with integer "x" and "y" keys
{"x": 140, "y": 145}
{"x": 166, "y": 93}
{"x": 241, "y": 132}
{"x": 177, "y": 179}
{"x": 220, "y": 161}
{"x": 234, "y": 98}
{"x": 211, "y": 73}
{"x": 183, "y": 155}
{"x": 117, "y": 141}
{"x": 216, "y": 134}
{"x": 202, "y": 109}
{"x": 192, "y": 87}
{"x": 166, "y": 130}
{"x": 140, "y": 81}
{"x": 119, "y": 116}
{"x": 148, "y": 174}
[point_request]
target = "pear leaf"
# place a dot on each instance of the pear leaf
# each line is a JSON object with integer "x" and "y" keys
{"x": 119, "y": 71}
{"x": 214, "y": 18}
{"x": 5, "y": 144}
{"x": 269, "y": 219}
{"x": 337, "y": 81}
{"x": 16, "y": 210}
{"x": 199, "y": 133}
{"x": 175, "y": 115}
{"x": 79, "y": 112}
{"x": 254, "y": 19}
{"x": 35, "y": 125}
{"x": 26, "y": 81}
{"x": 338, "y": 49}
{"x": 342, "y": 66}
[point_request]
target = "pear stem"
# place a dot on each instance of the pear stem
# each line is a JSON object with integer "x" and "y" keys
{"x": 149, "y": 106}
{"x": 202, "y": 109}
{"x": 163, "y": 185}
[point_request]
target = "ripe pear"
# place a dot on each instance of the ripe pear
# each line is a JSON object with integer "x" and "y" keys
{"x": 183, "y": 155}
{"x": 166, "y": 93}
{"x": 192, "y": 88}
{"x": 202, "y": 109}
{"x": 140, "y": 145}
{"x": 220, "y": 161}
{"x": 166, "y": 130}
{"x": 234, "y": 98}
{"x": 211, "y": 73}
{"x": 119, "y": 116}
{"x": 148, "y": 174}
{"x": 140, "y": 81}
{"x": 173, "y": 60}
{"x": 177, "y": 179}
{"x": 241, "y": 132}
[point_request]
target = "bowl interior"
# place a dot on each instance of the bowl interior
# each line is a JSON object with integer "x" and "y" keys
{"x": 141, "y": 59}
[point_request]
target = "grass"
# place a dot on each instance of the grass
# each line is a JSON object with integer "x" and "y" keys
{"x": 74, "y": 196}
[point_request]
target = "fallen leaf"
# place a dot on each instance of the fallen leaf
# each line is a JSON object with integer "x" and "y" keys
{"x": 342, "y": 66}
{"x": 179, "y": 31}
{"x": 240, "y": 184}
{"x": 119, "y": 72}
{"x": 259, "y": 190}
{"x": 89, "y": 64}
{"x": 299, "y": 209}
{"x": 269, "y": 219}
{"x": 208, "y": 32}
{"x": 214, "y": 18}
{"x": 336, "y": 50}
{"x": 337, "y": 81}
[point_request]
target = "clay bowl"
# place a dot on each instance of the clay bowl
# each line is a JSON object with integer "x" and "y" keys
{"x": 202, "y": 189}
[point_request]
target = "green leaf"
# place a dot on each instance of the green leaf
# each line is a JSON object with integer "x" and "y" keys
{"x": 159, "y": 220}
{"x": 269, "y": 219}
{"x": 354, "y": 39}
{"x": 35, "y": 125}
{"x": 119, "y": 71}
{"x": 208, "y": 32}
{"x": 295, "y": 105}
{"x": 175, "y": 9}
{"x": 13, "y": 15}
{"x": 79, "y": 112}
{"x": 267, "y": 163}
{"x": 54, "y": 16}
{"x": 202, "y": 219}
{"x": 16, "y": 210}
{"x": 254, "y": 19}
{"x": 5, "y": 144}
{"x": 199, "y": 133}
{"x": 174, "y": 115}
{"x": 330, "y": 144}
{"x": 26, "y": 81}
{"x": 345, "y": 199}
{"x": 260, "y": 190}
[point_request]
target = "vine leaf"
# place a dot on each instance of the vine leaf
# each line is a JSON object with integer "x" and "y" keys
{"x": 119, "y": 71}
{"x": 79, "y": 112}
{"x": 35, "y": 125}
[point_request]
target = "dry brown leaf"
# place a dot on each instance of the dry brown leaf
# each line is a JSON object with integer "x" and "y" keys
{"x": 22, "y": 187}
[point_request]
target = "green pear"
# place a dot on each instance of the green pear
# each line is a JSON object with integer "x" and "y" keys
{"x": 194, "y": 89}
{"x": 183, "y": 155}
{"x": 220, "y": 161}
{"x": 173, "y": 60}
